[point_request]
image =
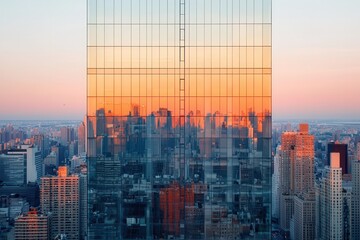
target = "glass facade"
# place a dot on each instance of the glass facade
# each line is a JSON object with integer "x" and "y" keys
{"x": 13, "y": 169}
{"x": 179, "y": 119}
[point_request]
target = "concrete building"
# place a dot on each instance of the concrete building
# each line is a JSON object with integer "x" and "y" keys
{"x": 355, "y": 201}
{"x": 331, "y": 201}
{"x": 287, "y": 160}
{"x": 297, "y": 183}
{"x": 276, "y": 185}
{"x": 81, "y": 138}
{"x": 83, "y": 206}
{"x": 34, "y": 163}
{"x": 42, "y": 142}
{"x": 286, "y": 179}
{"x": 67, "y": 135}
{"x": 60, "y": 196}
{"x": 357, "y": 151}
{"x": 72, "y": 149}
{"x": 347, "y": 191}
{"x": 32, "y": 226}
{"x": 303, "y": 171}
{"x": 286, "y": 211}
{"x": 304, "y": 216}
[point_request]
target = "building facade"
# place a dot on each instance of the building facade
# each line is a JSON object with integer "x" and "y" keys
{"x": 81, "y": 138}
{"x": 355, "y": 201}
{"x": 304, "y": 217}
{"x": 347, "y": 192}
{"x": 32, "y": 226}
{"x": 83, "y": 206}
{"x": 59, "y": 195}
{"x": 297, "y": 183}
{"x": 342, "y": 149}
{"x": 331, "y": 201}
{"x": 12, "y": 170}
{"x": 21, "y": 165}
{"x": 179, "y": 119}
{"x": 276, "y": 184}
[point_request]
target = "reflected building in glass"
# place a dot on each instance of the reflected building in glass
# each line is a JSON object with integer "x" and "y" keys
{"x": 179, "y": 119}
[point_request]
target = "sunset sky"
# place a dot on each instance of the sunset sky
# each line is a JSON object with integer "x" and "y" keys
{"x": 316, "y": 59}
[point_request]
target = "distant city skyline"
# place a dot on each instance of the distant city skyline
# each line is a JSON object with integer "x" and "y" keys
{"x": 315, "y": 59}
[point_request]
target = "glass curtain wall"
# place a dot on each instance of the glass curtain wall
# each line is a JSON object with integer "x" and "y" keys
{"x": 179, "y": 119}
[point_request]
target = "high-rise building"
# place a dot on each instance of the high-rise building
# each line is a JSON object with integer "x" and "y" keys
{"x": 81, "y": 138}
{"x": 304, "y": 161}
{"x": 355, "y": 201}
{"x": 347, "y": 191}
{"x": 21, "y": 165}
{"x": 330, "y": 225}
{"x": 61, "y": 153}
{"x": 357, "y": 151}
{"x": 287, "y": 160}
{"x": 286, "y": 205}
{"x": 72, "y": 149}
{"x": 34, "y": 168}
{"x": 32, "y": 226}
{"x": 51, "y": 163}
{"x": 67, "y": 135}
{"x": 12, "y": 170}
{"x": 179, "y": 119}
{"x": 59, "y": 195}
{"x": 296, "y": 190}
{"x": 276, "y": 184}
{"x": 42, "y": 142}
{"x": 83, "y": 206}
{"x": 304, "y": 216}
{"x": 342, "y": 149}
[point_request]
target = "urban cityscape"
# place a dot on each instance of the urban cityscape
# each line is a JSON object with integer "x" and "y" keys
{"x": 176, "y": 138}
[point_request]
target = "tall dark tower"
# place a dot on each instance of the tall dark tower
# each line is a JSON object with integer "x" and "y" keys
{"x": 343, "y": 150}
{"x": 179, "y": 119}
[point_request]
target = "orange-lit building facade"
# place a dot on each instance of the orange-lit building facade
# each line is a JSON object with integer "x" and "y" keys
{"x": 179, "y": 119}
{"x": 297, "y": 184}
{"x": 59, "y": 195}
{"x": 173, "y": 201}
{"x": 32, "y": 226}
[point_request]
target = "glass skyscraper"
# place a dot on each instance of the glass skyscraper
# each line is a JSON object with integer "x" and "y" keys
{"x": 179, "y": 119}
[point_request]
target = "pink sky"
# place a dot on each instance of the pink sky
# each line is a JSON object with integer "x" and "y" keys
{"x": 316, "y": 59}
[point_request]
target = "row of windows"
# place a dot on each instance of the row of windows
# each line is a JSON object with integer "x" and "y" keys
{"x": 169, "y": 57}
{"x": 193, "y": 106}
{"x": 169, "y": 35}
{"x": 134, "y": 118}
{"x": 167, "y": 11}
{"x": 169, "y": 85}
{"x": 156, "y": 72}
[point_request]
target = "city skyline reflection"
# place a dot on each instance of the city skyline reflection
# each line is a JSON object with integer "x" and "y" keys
{"x": 179, "y": 119}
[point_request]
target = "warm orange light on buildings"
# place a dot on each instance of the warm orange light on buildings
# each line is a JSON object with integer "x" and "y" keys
{"x": 173, "y": 201}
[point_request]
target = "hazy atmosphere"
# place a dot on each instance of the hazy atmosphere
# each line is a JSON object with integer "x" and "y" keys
{"x": 316, "y": 54}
